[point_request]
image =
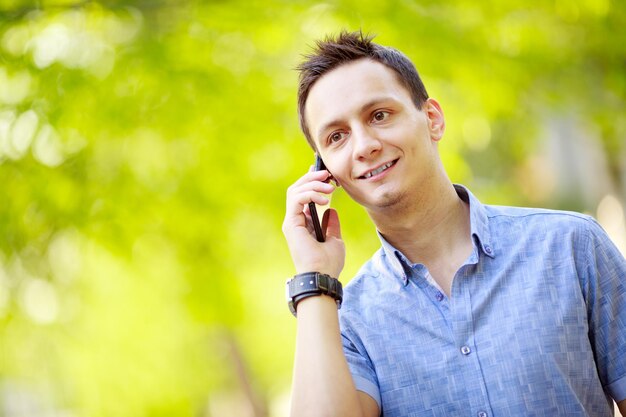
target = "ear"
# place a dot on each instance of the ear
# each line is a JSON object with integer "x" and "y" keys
{"x": 436, "y": 121}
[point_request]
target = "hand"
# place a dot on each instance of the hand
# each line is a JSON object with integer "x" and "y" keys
{"x": 306, "y": 252}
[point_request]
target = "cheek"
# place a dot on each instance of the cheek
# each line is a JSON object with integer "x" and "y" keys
{"x": 356, "y": 195}
{"x": 412, "y": 141}
{"x": 341, "y": 177}
{"x": 338, "y": 165}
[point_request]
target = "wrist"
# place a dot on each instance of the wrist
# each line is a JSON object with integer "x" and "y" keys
{"x": 326, "y": 268}
{"x": 316, "y": 307}
{"x": 310, "y": 284}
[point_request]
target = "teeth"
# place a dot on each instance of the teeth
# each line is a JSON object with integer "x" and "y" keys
{"x": 378, "y": 170}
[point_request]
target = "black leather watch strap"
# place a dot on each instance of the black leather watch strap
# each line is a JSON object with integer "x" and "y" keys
{"x": 311, "y": 284}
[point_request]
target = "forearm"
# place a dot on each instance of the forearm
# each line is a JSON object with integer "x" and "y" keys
{"x": 622, "y": 407}
{"x": 322, "y": 383}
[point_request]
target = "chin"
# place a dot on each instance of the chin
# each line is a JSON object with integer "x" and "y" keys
{"x": 392, "y": 199}
{"x": 389, "y": 199}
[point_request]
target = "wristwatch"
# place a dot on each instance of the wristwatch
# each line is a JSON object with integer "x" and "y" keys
{"x": 309, "y": 284}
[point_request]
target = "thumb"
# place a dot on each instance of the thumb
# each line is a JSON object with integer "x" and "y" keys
{"x": 330, "y": 223}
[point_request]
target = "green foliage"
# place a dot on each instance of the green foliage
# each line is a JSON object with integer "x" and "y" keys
{"x": 145, "y": 150}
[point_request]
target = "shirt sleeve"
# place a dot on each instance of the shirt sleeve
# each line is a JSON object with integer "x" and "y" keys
{"x": 361, "y": 368}
{"x": 605, "y": 292}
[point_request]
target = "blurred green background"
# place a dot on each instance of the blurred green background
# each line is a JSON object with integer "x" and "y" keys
{"x": 145, "y": 151}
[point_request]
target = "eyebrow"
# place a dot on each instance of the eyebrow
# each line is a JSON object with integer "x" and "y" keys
{"x": 371, "y": 103}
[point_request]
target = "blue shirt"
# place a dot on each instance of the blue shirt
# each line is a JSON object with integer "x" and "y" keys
{"x": 535, "y": 325}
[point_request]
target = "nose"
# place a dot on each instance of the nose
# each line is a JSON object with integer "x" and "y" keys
{"x": 364, "y": 143}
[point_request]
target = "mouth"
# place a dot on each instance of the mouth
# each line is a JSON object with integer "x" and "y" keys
{"x": 378, "y": 170}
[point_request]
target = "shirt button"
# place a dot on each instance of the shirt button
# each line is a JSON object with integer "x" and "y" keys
{"x": 482, "y": 414}
{"x": 439, "y": 296}
{"x": 488, "y": 250}
{"x": 466, "y": 350}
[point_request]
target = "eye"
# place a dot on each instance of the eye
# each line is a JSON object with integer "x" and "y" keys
{"x": 336, "y": 137}
{"x": 380, "y": 115}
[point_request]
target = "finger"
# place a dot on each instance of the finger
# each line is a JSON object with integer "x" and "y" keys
{"x": 296, "y": 204}
{"x": 330, "y": 224}
{"x": 318, "y": 193}
{"x": 303, "y": 199}
{"x": 295, "y": 226}
{"x": 318, "y": 186}
{"x": 321, "y": 175}
{"x": 309, "y": 223}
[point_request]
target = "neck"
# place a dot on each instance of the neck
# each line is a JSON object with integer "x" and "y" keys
{"x": 429, "y": 227}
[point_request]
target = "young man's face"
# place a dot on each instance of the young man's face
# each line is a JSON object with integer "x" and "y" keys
{"x": 371, "y": 136}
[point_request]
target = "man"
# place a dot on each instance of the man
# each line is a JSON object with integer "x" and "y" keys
{"x": 467, "y": 309}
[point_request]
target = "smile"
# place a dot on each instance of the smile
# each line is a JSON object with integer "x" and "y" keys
{"x": 380, "y": 169}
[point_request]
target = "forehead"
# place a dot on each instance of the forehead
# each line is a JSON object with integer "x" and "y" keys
{"x": 345, "y": 89}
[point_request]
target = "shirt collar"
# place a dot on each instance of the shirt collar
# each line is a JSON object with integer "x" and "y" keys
{"x": 481, "y": 236}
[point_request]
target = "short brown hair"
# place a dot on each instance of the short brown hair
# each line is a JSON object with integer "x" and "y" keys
{"x": 346, "y": 47}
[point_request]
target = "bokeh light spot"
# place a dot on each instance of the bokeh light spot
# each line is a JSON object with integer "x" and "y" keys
{"x": 39, "y": 301}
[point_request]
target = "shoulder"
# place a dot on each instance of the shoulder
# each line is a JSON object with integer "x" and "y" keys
{"x": 551, "y": 234}
{"x": 529, "y": 213}
{"x": 542, "y": 220}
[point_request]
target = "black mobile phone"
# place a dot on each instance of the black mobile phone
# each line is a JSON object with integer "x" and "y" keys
{"x": 319, "y": 233}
